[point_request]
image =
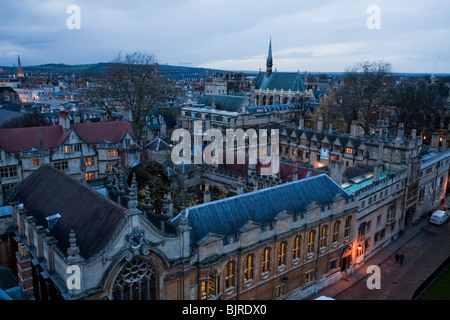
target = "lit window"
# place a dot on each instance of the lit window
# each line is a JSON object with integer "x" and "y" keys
{"x": 323, "y": 236}
{"x": 265, "y": 260}
{"x": 203, "y": 292}
{"x": 296, "y": 252}
{"x": 90, "y": 176}
{"x": 89, "y": 162}
{"x": 349, "y": 150}
{"x": 36, "y": 163}
{"x": 112, "y": 153}
{"x": 311, "y": 241}
{"x": 248, "y": 268}
{"x": 282, "y": 254}
{"x": 229, "y": 275}
{"x": 67, "y": 149}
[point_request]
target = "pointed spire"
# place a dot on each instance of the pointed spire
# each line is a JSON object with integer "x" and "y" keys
{"x": 20, "y": 73}
{"x": 148, "y": 200}
{"x": 269, "y": 63}
{"x": 183, "y": 217}
{"x": 133, "y": 194}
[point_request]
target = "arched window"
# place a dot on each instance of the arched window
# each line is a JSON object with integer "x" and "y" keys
{"x": 336, "y": 231}
{"x": 229, "y": 275}
{"x": 248, "y": 268}
{"x": 347, "y": 227}
{"x": 296, "y": 250}
{"x": 323, "y": 237}
{"x": 265, "y": 261}
{"x": 312, "y": 235}
{"x": 136, "y": 281}
{"x": 282, "y": 254}
{"x": 208, "y": 289}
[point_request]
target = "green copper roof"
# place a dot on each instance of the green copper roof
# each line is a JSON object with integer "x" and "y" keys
{"x": 280, "y": 80}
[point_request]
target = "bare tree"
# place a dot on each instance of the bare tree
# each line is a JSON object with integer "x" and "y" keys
{"x": 365, "y": 92}
{"x": 132, "y": 80}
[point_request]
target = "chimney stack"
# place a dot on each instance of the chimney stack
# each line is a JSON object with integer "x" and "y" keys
{"x": 25, "y": 271}
{"x": 434, "y": 141}
{"x": 64, "y": 120}
{"x": 377, "y": 172}
{"x": 337, "y": 170}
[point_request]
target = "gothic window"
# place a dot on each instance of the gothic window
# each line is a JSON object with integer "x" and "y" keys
{"x": 248, "y": 268}
{"x": 296, "y": 251}
{"x": 282, "y": 254}
{"x": 208, "y": 289}
{"x": 311, "y": 241}
{"x": 323, "y": 236}
{"x": 347, "y": 227}
{"x": 229, "y": 275}
{"x": 265, "y": 260}
{"x": 136, "y": 281}
{"x": 336, "y": 231}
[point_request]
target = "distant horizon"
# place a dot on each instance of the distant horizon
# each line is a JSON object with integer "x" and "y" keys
{"x": 223, "y": 70}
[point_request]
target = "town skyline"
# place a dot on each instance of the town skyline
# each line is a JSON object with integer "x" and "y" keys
{"x": 328, "y": 37}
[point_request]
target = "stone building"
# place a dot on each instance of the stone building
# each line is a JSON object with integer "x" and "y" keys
{"x": 81, "y": 150}
{"x": 81, "y": 245}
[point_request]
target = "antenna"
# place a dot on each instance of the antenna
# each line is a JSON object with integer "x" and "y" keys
{"x": 434, "y": 69}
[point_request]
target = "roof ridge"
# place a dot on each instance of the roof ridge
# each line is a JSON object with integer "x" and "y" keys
{"x": 262, "y": 191}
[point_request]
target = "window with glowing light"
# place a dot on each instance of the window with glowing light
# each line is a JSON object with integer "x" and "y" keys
{"x": 229, "y": 275}
{"x": 296, "y": 250}
{"x": 323, "y": 237}
{"x": 248, "y": 268}
{"x": 310, "y": 248}
{"x": 265, "y": 261}
{"x": 282, "y": 254}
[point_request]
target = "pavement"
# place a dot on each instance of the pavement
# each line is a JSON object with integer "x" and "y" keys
{"x": 425, "y": 247}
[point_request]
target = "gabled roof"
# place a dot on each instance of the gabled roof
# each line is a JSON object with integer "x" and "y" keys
{"x": 226, "y": 217}
{"x": 93, "y": 217}
{"x": 99, "y": 132}
{"x": 22, "y": 139}
{"x": 280, "y": 81}
{"x": 158, "y": 144}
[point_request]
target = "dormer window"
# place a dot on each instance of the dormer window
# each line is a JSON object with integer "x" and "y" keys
{"x": 51, "y": 220}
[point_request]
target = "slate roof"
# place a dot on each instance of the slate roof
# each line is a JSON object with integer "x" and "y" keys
{"x": 158, "y": 144}
{"x": 94, "y": 218}
{"x": 223, "y": 102}
{"x": 280, "y": 80}
{"x": 225, "y": 217}
{"x": 22, "y": 139}
{"x": 98, "y": 132}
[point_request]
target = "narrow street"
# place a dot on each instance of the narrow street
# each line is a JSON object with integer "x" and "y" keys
{"x": 424, "y": 252}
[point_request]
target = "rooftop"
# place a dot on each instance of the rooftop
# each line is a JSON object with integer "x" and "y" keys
{"x": 225, "y": 217}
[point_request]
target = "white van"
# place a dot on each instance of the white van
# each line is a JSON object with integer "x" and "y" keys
{"x": 438, "y": 217}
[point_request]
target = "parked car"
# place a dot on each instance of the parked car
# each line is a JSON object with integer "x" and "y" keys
{"x": 438, "y": 217}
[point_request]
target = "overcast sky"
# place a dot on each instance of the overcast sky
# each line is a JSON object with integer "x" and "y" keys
{"x": 317, "y": 36}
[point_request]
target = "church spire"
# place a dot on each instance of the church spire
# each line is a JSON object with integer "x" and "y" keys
{"x": 20, "y": 73}
{"x": 269, "y": 60}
